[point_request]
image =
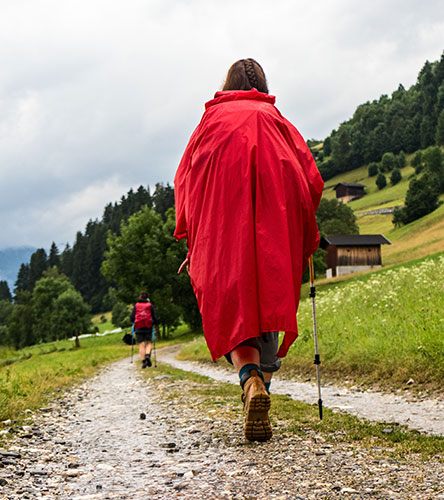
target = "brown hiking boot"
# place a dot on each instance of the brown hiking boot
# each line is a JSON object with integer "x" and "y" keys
{"x": 256, "y": 405}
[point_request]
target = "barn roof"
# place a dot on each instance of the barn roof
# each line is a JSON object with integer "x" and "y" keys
{"x": 346, "y": 184}
{"x": 353, "y": 240}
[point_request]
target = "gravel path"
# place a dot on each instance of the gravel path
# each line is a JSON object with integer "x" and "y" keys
{"x": 93, "y": 444}
{"x": 425, "y": 415}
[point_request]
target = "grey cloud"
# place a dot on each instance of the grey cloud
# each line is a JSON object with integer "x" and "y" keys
{"x": 96, "y": 97}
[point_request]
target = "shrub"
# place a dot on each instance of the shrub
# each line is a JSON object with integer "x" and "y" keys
{"x": 433, "y": 159}
{"x": 372, "y": 169}
{"x": 401, "y": 159}
{"x": 417, "y": 160}
{"x": 434, "y": 164}
{"x": 381, "y": 181}
{"x": 398, "y": 216}
{"x": 396, "y": 176}
{"x": 388, "y": 161}
{"x": 121, "y": 315}
{"x": 421, "y": 198}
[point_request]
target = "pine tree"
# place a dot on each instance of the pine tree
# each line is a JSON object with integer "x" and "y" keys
{"x": 23, "y": 281}
{"x": 439, "y": 137}
{"x": 163, "y": 199}
{"x": 54, "y": 258}
{"x": 37, "y": 265}
{"x": 5, "y": 293}
{"x": 66, "y": 261}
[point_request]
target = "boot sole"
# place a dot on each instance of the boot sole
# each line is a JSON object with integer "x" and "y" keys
{"x": 257, "y": 423}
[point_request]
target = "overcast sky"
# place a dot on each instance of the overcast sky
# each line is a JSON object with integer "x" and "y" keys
{"x": 98, "y": 96}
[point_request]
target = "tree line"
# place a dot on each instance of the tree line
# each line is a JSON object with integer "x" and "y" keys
{"x": 407, "y": 121}
{"x": 381, "y": 134}
{"x": 82, "y": 262}
{"x": 55, "y": 293}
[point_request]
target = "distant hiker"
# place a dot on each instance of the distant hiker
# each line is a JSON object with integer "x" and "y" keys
{"x": 144, "y": 318}
{"x": 246, "y": 190}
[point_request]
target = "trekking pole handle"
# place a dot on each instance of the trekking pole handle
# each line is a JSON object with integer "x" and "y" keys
{"x": 311, "y": 267}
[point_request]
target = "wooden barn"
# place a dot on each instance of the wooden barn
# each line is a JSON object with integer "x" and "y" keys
{"x": 347, "y": 192}
{"x": 351, "y": 253}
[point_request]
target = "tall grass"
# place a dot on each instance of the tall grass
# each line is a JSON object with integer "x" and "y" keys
{"x": 388, "y": 326}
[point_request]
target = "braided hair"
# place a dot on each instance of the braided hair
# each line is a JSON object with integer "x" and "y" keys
{"x": 251, "y": 73}
{"x": 246, "y": 74}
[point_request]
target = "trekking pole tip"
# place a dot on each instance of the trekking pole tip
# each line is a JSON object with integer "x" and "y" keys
{"x": 320, "y": 408}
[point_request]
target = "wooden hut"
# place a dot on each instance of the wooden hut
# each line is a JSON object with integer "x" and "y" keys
{"x": 351, "y": 253}
{"x": 347, "y": 192}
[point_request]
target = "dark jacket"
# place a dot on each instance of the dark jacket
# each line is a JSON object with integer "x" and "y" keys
{"x": 153, "y": 316}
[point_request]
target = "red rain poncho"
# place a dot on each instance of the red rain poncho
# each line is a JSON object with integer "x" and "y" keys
{"x": 246, "y": 190}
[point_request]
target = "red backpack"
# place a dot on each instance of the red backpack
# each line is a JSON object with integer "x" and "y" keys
{"x": 143, "y": 315}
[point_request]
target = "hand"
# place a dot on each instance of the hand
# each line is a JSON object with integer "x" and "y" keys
{"x": 185, "y": 264}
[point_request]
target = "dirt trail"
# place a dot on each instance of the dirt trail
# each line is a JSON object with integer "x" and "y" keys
{"x": 426, "y": 415}
{"x": 92, "y": 444}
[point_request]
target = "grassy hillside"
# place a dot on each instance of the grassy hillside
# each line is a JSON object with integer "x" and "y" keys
{"x": 418, "y": 239}
{"x": 390, "y": 196}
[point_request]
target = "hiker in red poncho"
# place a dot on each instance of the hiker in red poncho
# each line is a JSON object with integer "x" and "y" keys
{"x": 247, "y": 189}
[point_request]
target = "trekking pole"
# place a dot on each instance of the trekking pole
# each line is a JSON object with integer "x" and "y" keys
{"x": 132, "y": 343}
{"x": 154, "y": 347}
{"x": 317, "y": 359}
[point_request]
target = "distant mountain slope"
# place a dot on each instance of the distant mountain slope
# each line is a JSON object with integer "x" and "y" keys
{"x": 10, "y": 261}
